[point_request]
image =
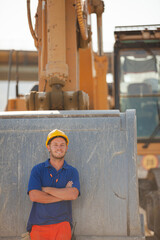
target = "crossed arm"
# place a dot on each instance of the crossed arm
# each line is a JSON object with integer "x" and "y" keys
{"x": 50, "y": 194}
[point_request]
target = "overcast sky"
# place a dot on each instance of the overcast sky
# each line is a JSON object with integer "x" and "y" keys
{"x": 15, "y": 32}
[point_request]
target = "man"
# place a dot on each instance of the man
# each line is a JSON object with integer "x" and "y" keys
{"x": 52, "y": 186}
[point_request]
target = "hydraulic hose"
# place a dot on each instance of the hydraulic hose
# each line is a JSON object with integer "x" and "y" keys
{"x": 30, "y": 23}
{"x": 83, "y": 27}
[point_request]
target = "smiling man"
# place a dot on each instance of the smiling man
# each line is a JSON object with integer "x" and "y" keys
{"x": 52, "y": 186}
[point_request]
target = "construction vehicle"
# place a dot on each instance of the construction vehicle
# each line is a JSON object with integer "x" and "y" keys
{"x": 103, "y": 145}
{"x": 137, "y": 86}
{"x": 71, "y": 75}
{"x": 103, "y": 149}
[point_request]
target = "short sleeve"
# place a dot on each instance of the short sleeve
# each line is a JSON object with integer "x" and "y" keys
{"x": 75, "y": 179}
{"x": 35, "y": 182}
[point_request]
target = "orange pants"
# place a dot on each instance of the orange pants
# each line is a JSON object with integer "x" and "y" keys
{"x": 59, "y": 231}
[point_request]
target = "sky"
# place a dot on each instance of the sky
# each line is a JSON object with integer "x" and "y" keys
{"x": 15, "y": 34}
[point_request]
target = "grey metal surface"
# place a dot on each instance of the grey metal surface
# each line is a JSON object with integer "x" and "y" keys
{"x": 103, "y": 149}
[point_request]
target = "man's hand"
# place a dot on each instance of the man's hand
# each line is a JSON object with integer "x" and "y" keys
{"x": 69, "y": 184}
{"x": 67, "y": 193}
{"x": 25, "y": 236}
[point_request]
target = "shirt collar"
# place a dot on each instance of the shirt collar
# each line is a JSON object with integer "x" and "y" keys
{"x": 65, "y": 165}
{"x": 47, "y": 164}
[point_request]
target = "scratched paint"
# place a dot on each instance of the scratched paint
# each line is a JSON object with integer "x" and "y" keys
{"x": 101, "y": 148}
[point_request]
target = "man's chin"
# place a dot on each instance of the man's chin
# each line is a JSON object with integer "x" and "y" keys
{"x": 59, "y": 157}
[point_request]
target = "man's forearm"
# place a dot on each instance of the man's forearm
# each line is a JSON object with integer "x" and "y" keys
{"x": 42, "y": 197}
{"x": 70, "y": 193}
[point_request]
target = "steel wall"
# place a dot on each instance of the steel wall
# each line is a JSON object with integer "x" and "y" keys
{"x": 103, "y": 149}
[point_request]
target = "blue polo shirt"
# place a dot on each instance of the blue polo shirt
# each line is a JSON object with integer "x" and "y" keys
{"x": 44, "y": 175}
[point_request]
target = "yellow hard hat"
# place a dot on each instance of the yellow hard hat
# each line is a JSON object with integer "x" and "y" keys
{"x": 56, "y": 133}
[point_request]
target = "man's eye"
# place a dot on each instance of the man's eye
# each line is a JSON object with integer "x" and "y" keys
{"x": 58, "y": 145}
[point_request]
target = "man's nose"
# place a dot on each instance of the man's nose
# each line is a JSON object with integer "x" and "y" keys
{"x": 59, "y": 147}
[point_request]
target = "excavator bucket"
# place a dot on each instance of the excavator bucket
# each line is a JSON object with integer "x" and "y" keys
{"x": 103, "y": 149}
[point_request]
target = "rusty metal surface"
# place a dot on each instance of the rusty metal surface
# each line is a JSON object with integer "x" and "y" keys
{"x": 103, "y": 149}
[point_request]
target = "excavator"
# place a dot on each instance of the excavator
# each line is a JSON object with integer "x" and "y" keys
{"x": 137, "y": 86}
{"x": 71, "y": 75}
{"x": 136, "y": 80}
{"x": 72, "y": 95}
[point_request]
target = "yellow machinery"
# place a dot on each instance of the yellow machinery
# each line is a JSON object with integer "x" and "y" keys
{"x": 71, "y": 76}
{"x": 137, "y": 86}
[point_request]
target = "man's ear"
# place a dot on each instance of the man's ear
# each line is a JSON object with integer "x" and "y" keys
{"x": 48, "y": 147}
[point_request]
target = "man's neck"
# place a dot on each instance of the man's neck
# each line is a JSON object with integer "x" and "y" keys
{"x": 57, "y": 163}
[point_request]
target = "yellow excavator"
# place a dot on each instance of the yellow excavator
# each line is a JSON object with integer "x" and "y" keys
{"x": 137, "y": 86}
{"x": 71, "y": 76}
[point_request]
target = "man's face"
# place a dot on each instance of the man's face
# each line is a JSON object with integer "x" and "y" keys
{"x": 57, "y": 148}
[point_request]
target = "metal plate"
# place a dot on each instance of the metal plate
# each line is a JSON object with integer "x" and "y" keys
{"x": 103, "y": 149}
